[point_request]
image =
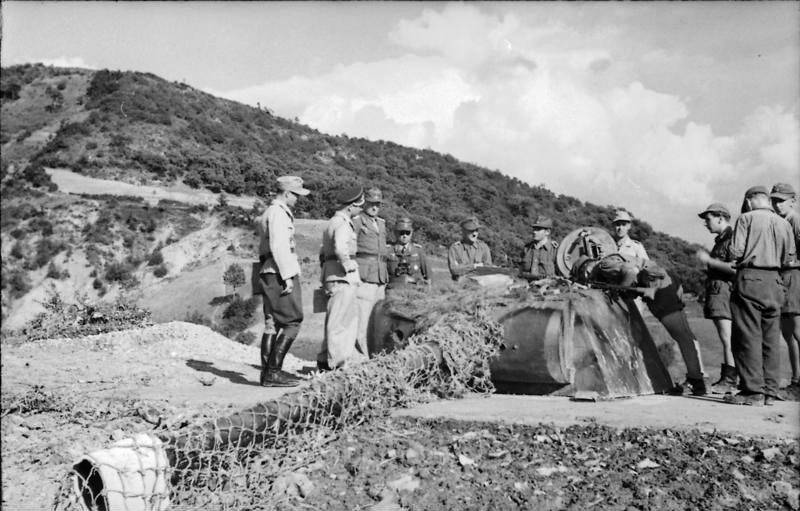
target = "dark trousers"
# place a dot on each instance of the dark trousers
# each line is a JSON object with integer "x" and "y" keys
{"x": 285, "y": 311}
{"x": 756, "y": 336}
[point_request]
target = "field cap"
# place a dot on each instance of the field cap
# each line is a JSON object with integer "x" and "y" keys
{"x": 351, "y": 195}
{"x": 622, "y": 216}
{"x": 717, "y": 208}
{"x": 403, "y": 224}
{"x": 543, "y": 222}
{"x": 292, "y": 184}
{"x": 373, "y": 195}
{"x": 470, "y": 224}
{"x": 782, "y": 191}
{"x": 755, "y": 190}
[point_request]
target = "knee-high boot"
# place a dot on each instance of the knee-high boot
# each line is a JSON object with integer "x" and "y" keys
{"x": 267, "y": 342}
{"x": 274, "y": 376}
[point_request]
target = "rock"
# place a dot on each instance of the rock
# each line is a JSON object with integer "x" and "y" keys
{"x": 117, "y": 435}
{"x": 788, "y": 493}
{"x": 769, "y": 454}
{"x": 737, "y": 475}
{"x": 406, "y": 482}
{"x": 465, "y": 461}
{"x": 647, "y": 463}
{"x": 412, "y": 456}
{"x": 548, "y": 471}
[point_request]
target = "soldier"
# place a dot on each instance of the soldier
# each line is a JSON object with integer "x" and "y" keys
{"x": 719, "y": 283}
{"x": 468, "y": 253}
{"x": 280, "y": 282}
{"x": 763, "y": 244}
{"x": 666, "y": 304}
{"x": 371, "y": 258}
{"x": 406, "y": 263}
{"x": 539, "y": 256}
{"x": 341, "y": 279}
{"x": 784, "y": 202}
{"x": 625, "y": 245}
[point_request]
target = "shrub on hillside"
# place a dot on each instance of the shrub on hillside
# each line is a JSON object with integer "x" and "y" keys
{"x": 46, "y": 248}
{"x": 160, "y": 271}
{"x": 120, "y": 272}
{"x": 238, "y": 315}
{"x": 156, "y": 258}
{"x": 234, "y": 276}
{"x": 17, "y": 282}
{"x": 53, "y": 272}
{"x": 246, "y": 338}
{"x": 82, "y": 317}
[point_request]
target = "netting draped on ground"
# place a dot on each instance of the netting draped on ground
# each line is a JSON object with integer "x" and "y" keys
{"x": 237, "y": 461}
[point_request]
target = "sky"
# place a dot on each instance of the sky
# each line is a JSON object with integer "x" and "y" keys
{"x": 661, "y": 108}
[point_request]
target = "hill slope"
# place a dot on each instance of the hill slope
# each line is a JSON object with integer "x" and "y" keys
{"x": 139, "y": 128}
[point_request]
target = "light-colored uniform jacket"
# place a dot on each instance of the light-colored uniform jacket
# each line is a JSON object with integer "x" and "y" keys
{"x": 338, "y": 246}
{"x": 275, "y": 230}
{"x": 631, "y": 248}
{"x": 371, "y": 248}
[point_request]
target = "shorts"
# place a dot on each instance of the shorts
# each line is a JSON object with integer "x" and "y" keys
{"x": 718, "y": 300}
{"x": 791, "y": 281}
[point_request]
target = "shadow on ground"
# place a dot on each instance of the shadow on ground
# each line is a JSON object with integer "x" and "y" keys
{"x": 208, "y": 367}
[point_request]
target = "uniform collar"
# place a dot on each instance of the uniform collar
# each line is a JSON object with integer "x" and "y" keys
{"x": 546, "y": 244}
{"x": 623, "y": 239}
{"x": 278, "y": 202}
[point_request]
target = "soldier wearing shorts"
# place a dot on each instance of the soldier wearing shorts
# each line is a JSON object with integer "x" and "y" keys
{"x": 784, "y": 201}
{"x": 719, "y": 283}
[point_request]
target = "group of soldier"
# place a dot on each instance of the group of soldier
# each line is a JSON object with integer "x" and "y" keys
{"x": 357, "y": 266}
{"x": 752, "y": 293}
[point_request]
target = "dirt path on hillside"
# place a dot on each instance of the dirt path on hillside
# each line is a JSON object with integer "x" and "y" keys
{"x": 71, "y": 182}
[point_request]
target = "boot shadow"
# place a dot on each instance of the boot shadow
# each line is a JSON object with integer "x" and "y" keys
{"x": 232, "y": 376}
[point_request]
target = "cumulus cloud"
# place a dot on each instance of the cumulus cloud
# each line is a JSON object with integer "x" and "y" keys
{"x": 551, "y": 105}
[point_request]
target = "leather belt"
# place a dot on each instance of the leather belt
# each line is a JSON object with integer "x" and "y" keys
{"x": 365, "y": 255}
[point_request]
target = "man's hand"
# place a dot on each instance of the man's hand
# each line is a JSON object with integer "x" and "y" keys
{"x": 477, "y": 265}
{"x": 350, "y": 266}
{"x": 288, "y": 286}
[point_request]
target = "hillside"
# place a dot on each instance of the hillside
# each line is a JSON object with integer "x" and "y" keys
{"x": 143, "y": 130}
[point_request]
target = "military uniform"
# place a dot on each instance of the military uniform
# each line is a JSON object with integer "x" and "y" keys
{"x": 667, "y": 306}
{"x": 762, "y": 244}
{"x": 407, "y": 264}
{"x": 791, "y": 274}
{"x": 341, "y": 286}
{"x": 719, "y": 284}
{"x": 371, "y": 257}
{"x": 283, "y": 312}
{"x": 631, "y": 248}
{"x": 539, "y": 262}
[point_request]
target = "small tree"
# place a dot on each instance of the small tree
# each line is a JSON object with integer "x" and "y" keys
{"x": 234, "y": 276}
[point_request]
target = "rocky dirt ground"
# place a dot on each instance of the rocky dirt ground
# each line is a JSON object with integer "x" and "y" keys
{"x": 64, "y": 398}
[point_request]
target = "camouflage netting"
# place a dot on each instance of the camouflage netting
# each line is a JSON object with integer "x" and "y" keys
{"x": 248, "y": 460}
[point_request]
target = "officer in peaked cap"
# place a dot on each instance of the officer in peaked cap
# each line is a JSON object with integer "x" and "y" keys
{"x": 539, "y": 255}
{"x": 279, "y": 276}
{"x": 719, "y": 284}
{"x": 468, "y": 253}
{"x": 784, "y": 202}
{"x": 763, "y": 245}
{"x": 407, "y": 263}
{"x": 371, "y": 252}
{"x": 340, "y": 279}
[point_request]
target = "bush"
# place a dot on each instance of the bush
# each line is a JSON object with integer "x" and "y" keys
{"x": 53, "y": 272}
{"x": 82, "y": 317}
{"x": 16, "y": 282}
{"x": 234, "y": 276}
{"x": 120, "y": 272}
{"x": 237, "y": 316}
{"x": 160, "y": 271}
{"x": 156, "y": 258}
{"x": 46, "y": 248}
{"x": 246, "y": 338}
